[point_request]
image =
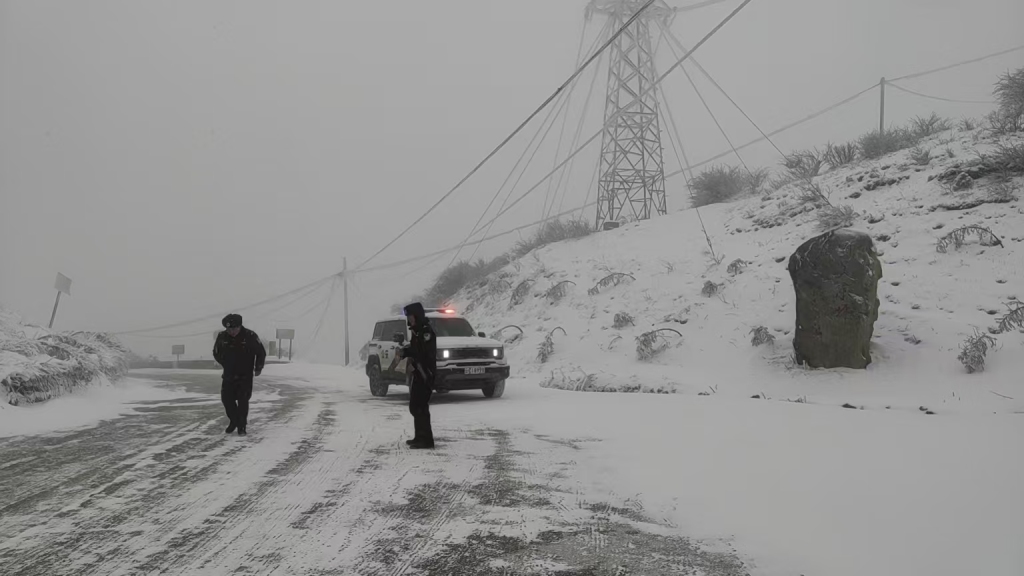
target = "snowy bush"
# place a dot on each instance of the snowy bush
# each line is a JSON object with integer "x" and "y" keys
{"x": 920, "y": 155}
{"x": 736, "y": 266}
{"x": 519, "y": 294}
{"x": 650, "y": 344}
{"x": 558, "y": 291}
{"x": 876, "y": 144}
{"x": 1009, "y": 93}
{"x": 1008, "y": 159}
{"x": 803, "y": 164}
{"x": 36, "y": 364}
{"x": 547, "y": 347}
{"x": 967, "y": 124}
{"x": 973, "y": 350}
{"x": 623, "y": 319}
{"x": 837, "y": 155}
{"x": 835, "y": 217}
{"x": 1003, "y": 191}
{"x": 613, "y": 279}
{"x": 710, "y": 289}
{"x": 551, "y": 232}
{"x": 957, "y": 238}
{"x": 719, "y": 184}
{"x": 1014, "y": 319}
{"x": 921, "y": 127}
{"x": 761, "y": 335}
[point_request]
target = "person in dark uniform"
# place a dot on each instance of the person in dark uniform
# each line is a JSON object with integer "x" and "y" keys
{"x": 242, "y": 355}
{"x": 421, "y": 354}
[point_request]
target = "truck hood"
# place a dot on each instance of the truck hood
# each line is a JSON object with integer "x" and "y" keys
{"x": 457, "y": 342}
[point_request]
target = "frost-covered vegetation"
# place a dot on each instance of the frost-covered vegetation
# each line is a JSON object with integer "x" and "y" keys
{"x": 37, "y": 364}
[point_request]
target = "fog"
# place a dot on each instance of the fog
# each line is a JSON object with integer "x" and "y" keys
{"x": 184, "y": 159}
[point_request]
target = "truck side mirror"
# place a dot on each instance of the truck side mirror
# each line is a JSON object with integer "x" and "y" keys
{"x": 398, "y": 338}
{"x": 481, "y": 334}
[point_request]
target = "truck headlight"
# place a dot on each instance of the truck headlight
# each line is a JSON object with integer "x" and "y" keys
{"x": 443, "y": 354}
{"x": 498, "y": 353}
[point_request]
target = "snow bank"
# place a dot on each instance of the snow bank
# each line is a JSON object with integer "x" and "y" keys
{"x": 37, "y": 364}
{"x": 930, "y": 301}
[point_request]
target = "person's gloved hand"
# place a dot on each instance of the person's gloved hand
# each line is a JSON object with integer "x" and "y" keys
{"x": 258, "y": 372}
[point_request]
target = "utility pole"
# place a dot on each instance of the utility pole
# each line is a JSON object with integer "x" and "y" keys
{"x": 881, "y": 107}
{"x": 344, "y": 275}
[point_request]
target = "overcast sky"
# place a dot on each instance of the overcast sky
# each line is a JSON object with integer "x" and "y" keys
{"x": 177, "y": 159}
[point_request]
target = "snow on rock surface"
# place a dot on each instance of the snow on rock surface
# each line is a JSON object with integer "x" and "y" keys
{"x": 37, "y": 364}
{"x": 930, "y": 301}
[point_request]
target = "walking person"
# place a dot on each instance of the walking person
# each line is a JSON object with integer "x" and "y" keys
{"x": 239, "y": 351}
{"x": 421, "y": 354}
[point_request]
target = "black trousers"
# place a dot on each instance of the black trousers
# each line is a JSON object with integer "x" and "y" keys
{"x": 419, "y": 407}
{"x": 235, "y": 393}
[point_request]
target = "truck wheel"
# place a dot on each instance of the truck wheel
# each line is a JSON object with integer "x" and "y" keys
{"x": 378, "y": 387}
{"x": 494, "y": 390}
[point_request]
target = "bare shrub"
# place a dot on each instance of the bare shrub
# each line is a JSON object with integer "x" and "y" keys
{"x": 835, "y": 217}
{"x": 736, "y": 266}
{"x": 957, "y": 238}
{"x": 558, "y": 291}
{"x": 623, "y": 319}
{"x": 711, "y": 289}
{"x": 876, "y": 144}
{"x": 717, "y": 184}
{"x": 650, "y": 344}
{"x": 967, "y": 124}
{"x": 921, "y": 127}
{"x": 551, "y": 232}
{"x": 920, "y": 155}
{"x": 813, "y": 193}
{"x": 973, "y": 351}
{"x": 613, "y": 279}
{"x": 837, "y": 155}
{"x": 1007, "y": 159}
{"x": 497, "y": 334}
{"x": 761, "y": 335}
{"x": 546, "y": 349}
{"x": 1003, "y": 191}
{"x": 803, "y": 164}
{"x": 1014, "y": 319}
{"x": 1009, "y": 93}
{"x": 519, "y": 294}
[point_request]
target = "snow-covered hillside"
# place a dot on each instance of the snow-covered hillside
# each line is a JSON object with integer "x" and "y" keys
{"x": 930, "y": 301}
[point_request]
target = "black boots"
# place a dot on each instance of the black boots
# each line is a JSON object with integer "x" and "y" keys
{"x": 241, "y": 431}
{"x": 231, "y": 428}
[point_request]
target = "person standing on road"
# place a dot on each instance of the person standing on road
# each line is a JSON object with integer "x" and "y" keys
{"x": 421, "y": 355}
{"x": 242, "y": 355}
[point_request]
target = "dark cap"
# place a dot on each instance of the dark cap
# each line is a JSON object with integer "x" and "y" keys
{"x": 232, "y": 321}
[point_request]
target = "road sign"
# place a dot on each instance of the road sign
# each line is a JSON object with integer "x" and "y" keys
{"x": 62, "y": 284}
{"x": 285, "y": 334}
{"x": 177, "y": 349}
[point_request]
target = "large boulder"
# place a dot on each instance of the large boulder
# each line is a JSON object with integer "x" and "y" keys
{"x": 835, "y": 277}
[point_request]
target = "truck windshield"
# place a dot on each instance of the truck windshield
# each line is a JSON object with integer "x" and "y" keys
{"x": 451, "y": 327}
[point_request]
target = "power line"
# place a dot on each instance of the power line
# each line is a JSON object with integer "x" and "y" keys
{"x": 958, "y": 64}
{"x": 219, "y": 314}
{"x": 543, "y": 105}
{"x": 707, "y": 75}
{"x": 781, "y": 130}
{"x": 712, "y": 114}
{"x": 908, "y": 91}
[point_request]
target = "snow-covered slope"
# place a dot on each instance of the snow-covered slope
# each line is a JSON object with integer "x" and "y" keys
{"x": 930, "y": 301}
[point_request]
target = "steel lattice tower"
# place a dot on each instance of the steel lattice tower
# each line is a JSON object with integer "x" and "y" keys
{"x": 631, "y": 177}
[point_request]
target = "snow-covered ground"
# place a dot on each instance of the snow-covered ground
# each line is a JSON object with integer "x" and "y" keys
{"x": 538, "y": 481}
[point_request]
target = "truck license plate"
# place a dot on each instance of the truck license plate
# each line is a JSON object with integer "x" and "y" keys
{"x": 475, "y": 370}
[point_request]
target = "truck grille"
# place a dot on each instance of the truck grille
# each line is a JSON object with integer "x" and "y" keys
{"x": 471, "y": 354}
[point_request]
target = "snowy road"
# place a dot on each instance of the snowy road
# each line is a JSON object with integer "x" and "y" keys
{"x": 322, "y": 485}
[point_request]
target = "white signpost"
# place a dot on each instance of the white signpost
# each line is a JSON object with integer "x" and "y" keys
{"x": 177, "y": 350}
{"x": 63, "y": 286}
{"x": 285, "y": 334}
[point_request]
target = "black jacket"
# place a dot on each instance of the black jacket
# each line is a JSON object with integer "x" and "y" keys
{"x": 239, "y": 355}
{"x": 422, "y": 347}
